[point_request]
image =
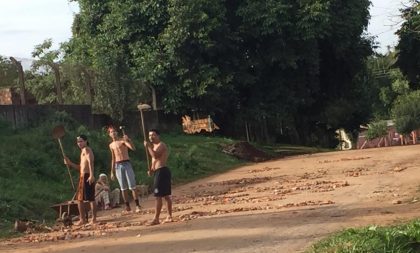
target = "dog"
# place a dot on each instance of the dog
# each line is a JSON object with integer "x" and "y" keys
{"x": 143, "y": 191}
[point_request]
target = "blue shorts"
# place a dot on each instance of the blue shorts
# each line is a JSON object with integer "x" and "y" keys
{"x": 125, "y": 175}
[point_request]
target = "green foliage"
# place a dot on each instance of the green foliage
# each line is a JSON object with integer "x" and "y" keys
{"x": 45, "y": 83}
{"x": 8, "y": 73}
{"x": 383, "y": 83}
{"x": 409, "y": 42}
{"x": 41, "y": 85}
{"x": 193, "y": 157}
{"x": 187, "y": 162}
{"x": 293, "y": 63}
{"x": 396, "y": 239}
{"x": 376, "y": 130}
{"x": 406, "y": 112}
{"x": 44, "y": 55}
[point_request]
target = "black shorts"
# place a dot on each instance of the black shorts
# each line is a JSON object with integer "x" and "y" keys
{"x": 162, "y": 182}
{"x": 85, "y": 190}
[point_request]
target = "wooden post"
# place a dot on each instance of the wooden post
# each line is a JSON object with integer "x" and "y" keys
{"x": 363, "y": 145}
{"x": 56, "y": 69}
{"x": 247, "y": 131}
{"x": 21, "y": 80}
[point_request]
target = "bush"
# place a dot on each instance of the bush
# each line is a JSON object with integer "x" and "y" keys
{"x": 398, "y": 239}
{"x": 406, "y": 112}
{"x": 376, "y": 130}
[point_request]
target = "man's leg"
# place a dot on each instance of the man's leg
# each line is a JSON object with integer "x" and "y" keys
{"x": 169, "y": 207}
{"x": 131, "y": 181}
{"x": 93, "y": 208}
{"x": 81, "y": 207}
{"x": 136, "y": 199}
{"x": 158, "y": 208}
{"x": 125, "y": 198}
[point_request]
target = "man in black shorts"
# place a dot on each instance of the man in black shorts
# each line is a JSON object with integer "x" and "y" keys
{"x": 162, "y": 175}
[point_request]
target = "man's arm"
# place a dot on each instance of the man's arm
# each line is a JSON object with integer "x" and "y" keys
{"x": 71, "y": 164}
{"x": 128, "y": 143}
{"x": 90, "y": 159}
{"x": 112, "y": 163}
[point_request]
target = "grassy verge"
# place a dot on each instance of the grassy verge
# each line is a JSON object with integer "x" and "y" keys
{"x": 394, "y": 239}
{"x": 282, "y": 150}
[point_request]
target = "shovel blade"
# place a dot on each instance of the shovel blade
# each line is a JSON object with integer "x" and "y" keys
{"x": 58, "y": 132}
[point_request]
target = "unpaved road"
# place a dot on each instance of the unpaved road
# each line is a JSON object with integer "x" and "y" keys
{"x": 277, "y": 206}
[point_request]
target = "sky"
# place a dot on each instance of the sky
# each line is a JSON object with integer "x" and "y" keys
{"x": 27, "y": 23}
{"x": 384, "y": 22}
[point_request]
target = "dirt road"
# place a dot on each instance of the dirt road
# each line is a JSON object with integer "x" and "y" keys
{"x": 277, "y": 206}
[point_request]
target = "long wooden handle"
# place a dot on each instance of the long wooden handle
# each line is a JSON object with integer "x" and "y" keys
{"x": 144, "y": 138}
{"x": 68, "y": 168}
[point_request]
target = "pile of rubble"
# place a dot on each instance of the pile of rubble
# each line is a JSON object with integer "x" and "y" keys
{"x": 244, "y": 150}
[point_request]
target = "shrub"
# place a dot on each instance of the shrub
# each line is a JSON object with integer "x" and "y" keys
{"x": 406, "y": 112}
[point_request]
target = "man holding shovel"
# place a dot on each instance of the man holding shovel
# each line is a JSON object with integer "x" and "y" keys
{"x": 162, "y": 175}
{"x": 86, "y": 187}
{"x": 121, "y": 167}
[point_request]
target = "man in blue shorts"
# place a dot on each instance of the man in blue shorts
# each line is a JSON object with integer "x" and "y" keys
{"x": 121, "y": 167}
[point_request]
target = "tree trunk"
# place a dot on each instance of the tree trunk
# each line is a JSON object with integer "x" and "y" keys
{"x": 56, "y": 68}
{"x": 380, "y": 141}
{"x": 247, "y": 131}
{"x": 21, "y": 80}
{"x": 89, "y": 88}
{"x": 266, "y": 137}
{"x": 364, "y": 144}
{"x": 154, "y": 103}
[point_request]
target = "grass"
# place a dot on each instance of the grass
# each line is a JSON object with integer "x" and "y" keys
{"x": 282, "y": 150}
{"x": 403, "y": 238}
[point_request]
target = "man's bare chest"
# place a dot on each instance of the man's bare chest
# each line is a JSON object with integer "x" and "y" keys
{"x": 118, "y": 146}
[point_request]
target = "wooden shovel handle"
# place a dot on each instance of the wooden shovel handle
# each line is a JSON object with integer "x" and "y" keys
{"x": 68, "y": 168}
{"x": 144, "y": 138}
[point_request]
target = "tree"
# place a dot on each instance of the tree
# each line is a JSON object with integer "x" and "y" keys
{"x": 382, "y": 84}
{"x": 256, "y": 63}
{"x": 48, "y": 59}
{"x": 406, "y": 112}
{"x": 409, "y": 42}
{"x": 8, "y": 73}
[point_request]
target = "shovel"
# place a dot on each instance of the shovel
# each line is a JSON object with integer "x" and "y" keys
{"x": 58, "y": 133}
{"x": 142, "y": 107}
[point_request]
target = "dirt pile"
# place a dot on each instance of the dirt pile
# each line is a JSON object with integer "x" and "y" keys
{"x": 244, "y": 150}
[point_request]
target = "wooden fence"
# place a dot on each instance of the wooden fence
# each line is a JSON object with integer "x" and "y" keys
{"x": 23, "y": 115}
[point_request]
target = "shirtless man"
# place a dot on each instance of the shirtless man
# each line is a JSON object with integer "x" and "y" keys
{"x": 121, "y": 167}
{"x": 162, "y": 175}
{"x": 86, "y": 188}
